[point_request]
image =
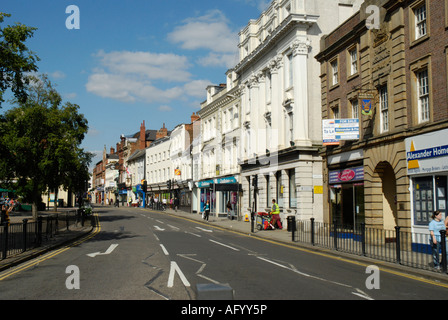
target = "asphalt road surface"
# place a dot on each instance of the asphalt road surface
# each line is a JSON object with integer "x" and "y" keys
{"x": 142, "y": 255}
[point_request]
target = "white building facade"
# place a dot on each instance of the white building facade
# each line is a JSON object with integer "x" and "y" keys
{"x": 216, "y": 154}
{"x": 281, "y": 105}
{"x": 159, "y": 169}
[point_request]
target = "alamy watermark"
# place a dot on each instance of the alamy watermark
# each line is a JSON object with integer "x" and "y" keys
{"x": 373, "y": 280}
{"x": 73, "y": 280}
{"x": 73, "y": 20}
{"x": 373, "y": 21}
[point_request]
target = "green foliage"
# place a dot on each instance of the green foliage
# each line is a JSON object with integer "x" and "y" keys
{"x": 16, "y": 60}
{"x": 41, "y": 144}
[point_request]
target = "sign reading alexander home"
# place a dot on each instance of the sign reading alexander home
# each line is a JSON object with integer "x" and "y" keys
{"x": 427, "y": 153}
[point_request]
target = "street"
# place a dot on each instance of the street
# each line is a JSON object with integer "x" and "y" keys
{"x": 142, "y": 255}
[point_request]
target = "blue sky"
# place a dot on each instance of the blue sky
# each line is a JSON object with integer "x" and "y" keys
{"x": 134, "y": 60}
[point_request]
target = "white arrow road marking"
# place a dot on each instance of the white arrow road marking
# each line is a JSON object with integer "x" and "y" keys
{"x": 173, "y": 269}
{"x": 108, "y": 251}
{"x": 202, "y": 267}
{"x": 164, "y": 250}
{"x": 158, "y": 228}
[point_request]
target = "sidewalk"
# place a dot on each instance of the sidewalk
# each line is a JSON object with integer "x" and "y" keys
{"x": 61, "y": 239}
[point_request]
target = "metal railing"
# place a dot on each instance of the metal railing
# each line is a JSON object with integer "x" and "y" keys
{"x": 395, "y": 246}
{"x": 16, "y": 238}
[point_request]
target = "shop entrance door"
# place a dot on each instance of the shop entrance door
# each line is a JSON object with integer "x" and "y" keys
{"x": 347, "y": 204}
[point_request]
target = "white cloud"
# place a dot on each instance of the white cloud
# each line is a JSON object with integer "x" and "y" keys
{"x": 57, "y": 75}
{"x": 128, "y": 76}
{"x": 209, "y": 32}
{"x": 165, "y": 108}
{"x": 154, "y": 66}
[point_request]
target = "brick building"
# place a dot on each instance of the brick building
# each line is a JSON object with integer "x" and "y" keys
{"x": 391, "y": 74}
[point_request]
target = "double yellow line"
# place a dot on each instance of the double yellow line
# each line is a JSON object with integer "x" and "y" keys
{"x": 49, "y": 255}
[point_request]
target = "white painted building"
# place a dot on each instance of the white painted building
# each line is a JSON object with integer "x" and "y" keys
{"x": 136, "y": 173}
{"x": 182, "y": 138}
{"x": 217, "y": 158}
{"x": 159, "y": 168}
{"x": 281, "y": 104}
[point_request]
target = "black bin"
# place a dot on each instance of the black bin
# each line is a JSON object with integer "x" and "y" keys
{"x": 291, "y": 223}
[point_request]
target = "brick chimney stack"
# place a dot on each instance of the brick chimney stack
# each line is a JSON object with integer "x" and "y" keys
{"x": 142, "y": 138}
{"x": 194, "y": 117}
{"x": 163, "y": 132}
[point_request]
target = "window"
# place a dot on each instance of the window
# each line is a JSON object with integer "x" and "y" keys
{"x": 292, "y": 188}
{"x": 289, "y": 71}
{"x": 334, "y": 72}
{"x": 384, "y": 109}
{"x": 268, "y": 87}
{"x": 268, "y": 192}
{"x": 290, "y": 126}
{"x": 423, "y": 95}
{"x": 355, "y": 109}
{"x": 420, "y": 21}
{"x": 353, "y": 61}
{"x": 335, "y": 111}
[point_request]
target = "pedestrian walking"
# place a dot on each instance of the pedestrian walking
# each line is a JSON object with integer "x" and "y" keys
{"x": 176, "y": 204}
{"x": 207, "y": 210}
{"x": 435, "y": 226}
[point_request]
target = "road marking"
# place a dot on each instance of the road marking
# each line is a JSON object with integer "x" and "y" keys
{"x": 206, "y": 230}
{"x": 319, "y": 253}
{"x": 108, "y": 251}
{"x": 158, "y": 228}
{"x": 224, "y": 245}
{"x": 173, "y": 227}
{"x": 194, "y": 234}
{"x": 51, "y": 254}
{"x": 175, "y": 268}
{"x": 164, "y": 250}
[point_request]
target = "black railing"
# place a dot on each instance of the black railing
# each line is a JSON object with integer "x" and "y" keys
{"x": 16, "y": 238}
{"x": 396, "y": 246}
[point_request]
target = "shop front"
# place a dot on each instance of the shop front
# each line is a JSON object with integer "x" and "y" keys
{"x": 347, "y": 196}
{"x": 220, "y": 193}
{"x": 427, "y": 168}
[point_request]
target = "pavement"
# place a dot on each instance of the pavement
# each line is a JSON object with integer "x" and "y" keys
{"x": 243, "y": 227}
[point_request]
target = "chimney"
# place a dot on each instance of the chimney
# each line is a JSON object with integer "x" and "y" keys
{"x": 163, "y": 132}
{"x": 194, "y": 117}
{"x": 142, "y": 138}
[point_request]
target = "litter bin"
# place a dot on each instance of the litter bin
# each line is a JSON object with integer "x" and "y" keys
{"x": 291, "y": 223}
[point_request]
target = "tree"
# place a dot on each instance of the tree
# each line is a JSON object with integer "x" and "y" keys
{"x": 16, "y": 60}
{"x": 42, "y": 144}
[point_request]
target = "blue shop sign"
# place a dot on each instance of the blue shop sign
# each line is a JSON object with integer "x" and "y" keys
{"x": 205, "y": 184}
{"x": 226, "y": 180}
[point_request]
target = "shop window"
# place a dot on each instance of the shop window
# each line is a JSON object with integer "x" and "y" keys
{"x": 423, "y": 200}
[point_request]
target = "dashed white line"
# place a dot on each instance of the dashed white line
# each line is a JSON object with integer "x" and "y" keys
{"x": 224, "y": 245}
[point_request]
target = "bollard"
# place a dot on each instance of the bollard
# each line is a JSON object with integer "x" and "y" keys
{"x": 443, "y": 247}
{"x": 252, "y": 218}
{"x": 363, "y": 238}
